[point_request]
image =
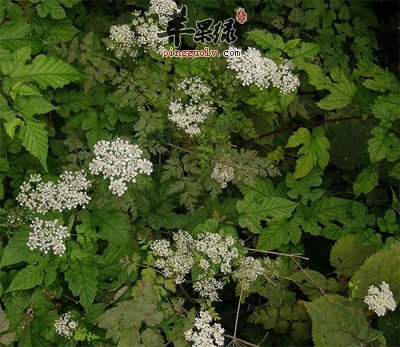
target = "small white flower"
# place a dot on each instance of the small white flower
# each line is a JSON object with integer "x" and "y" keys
{"x": 164, "y": 9}
{"x": 251, "y": 67}
{"x": 70, "y": 191}
{"x": 223, "y": 173}
{"x": 65, "y": 325}
{"x": 205, "y": 333}
{"x": 47, "y": 235}
{"x": 121, "y": 162}
{"x": 189, "y": 116}
{"x": 208, "y": 287}
{"x": 248, "y": 271}
{"x": 380, "y": 300}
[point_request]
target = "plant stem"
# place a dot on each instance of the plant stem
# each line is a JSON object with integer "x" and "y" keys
{"x": 295, "y": 255}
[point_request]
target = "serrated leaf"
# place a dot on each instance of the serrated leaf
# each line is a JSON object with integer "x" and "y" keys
{"x": 306, "y": 51}
{"x": 341, "y": 92}
{"x": 27, "y": 278}
{"x": 277, "y": 234}
{"x": 72, "y": 101}
{"x": 381, "y": 266}
{"x": 379, "y": 79}
{"x": 337, "y": 321}
{"x": 266, "y": 40}
{"x": 51, "y": 8}
{"x": 14, "y": 35}
{"x": 387, "y": 109}
{"x": 20, "y": 88}
{"x": 303, "y": 186}
{"x": 34, "y": 138}
{"x": 348, "y": 254}
{"x": 366, "y": 181}
{"x": 313, "y": 151}
{"x": 82, "y": 281}
{"x": 29, "y": 106}
{"x": 17, "y": 251}
{"x": 114, "y": 225}
{"x": 46, "y": 71}
{"x": 383, "y": 145}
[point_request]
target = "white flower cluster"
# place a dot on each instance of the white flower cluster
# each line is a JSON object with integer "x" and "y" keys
{"x": 252, "y": 67}
{"x": 208, "y": 287}
{"x": 217, "y": 250}
{"x": 212, "y": 252}
{"x": 205, "y": 333}
{"x": 121, "y": 162}
{"x": 65, "y": 325}
{"x": 146, "y": 31}
{"x": 248, "y": 271}
{"x": 47, "y": 235}
{"x": 223, "y": 173}
{"x": 175, "y": 264}
{"x": 126, "y": 40}
{"x": 69, "y": 192}
{"x": 164, "y": 9}
{"x": 381, "y": 300}
{"x": 123, "y": 41}
{"x": 188, "y": 116}
{"x": 194, "y": 87}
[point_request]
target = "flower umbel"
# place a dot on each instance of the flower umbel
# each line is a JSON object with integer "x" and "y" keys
{"x": 65, "y": 325}
{"x": 205, "y": 333}
{"x": 251, "y": 67}
{"x": 47, "y": 235}
{"x": 121, "y": 162}
{"x": 381, "y": 300}
{"x": 189, "y": 116}
{"x": 70, "y": 191}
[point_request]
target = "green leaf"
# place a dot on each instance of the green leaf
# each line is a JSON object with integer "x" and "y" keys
{"x": 114, "y": 225}
{"x": 303, "y": 186}
{"x": 341, "y": 93}
{"x": 29, "y": 106}
{"x": 383, "y": 145}
{"x": 21, "y": 88}
{"x": 51, "y": 8}
{"x": 81, "y": 278}
{"x": 381, "y": 266}
{"x": 390, "y": 326}
{"x": 337, "y": 321}
{"x": 34, "y": 138}
{"x": 14, "y": 35}
{"x": 17, "y": 251}
{"x": 278, "y": 234}
{"x": 266, "y": 40}
{"x": 27, "y": 278}
{"x": 46, "y": 71}
{"x": 389, "y": 222}
{"x": 366, "y": 181}
{"x": 72, "y": 101}
{"x": 379, "y": 80}
{"x": 313, "y": 151}
{"x": 348, "y": 254}
{"x": 316, "y": 76}
{"x": 387, "y": 109}
{"x": 252, "y": 210}
{"x": 306, "y": 51}
{"x": 57, "y": 31}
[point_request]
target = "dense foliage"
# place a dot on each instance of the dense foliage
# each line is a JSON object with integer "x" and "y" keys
{"x": 276, "y": 210}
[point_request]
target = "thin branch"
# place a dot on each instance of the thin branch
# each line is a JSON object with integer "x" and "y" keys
{"x": 294, "y": 255}
{"x": 237, "y": 313}
{"x": 234, "y": 339}
{"x": 294, "y": 127}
